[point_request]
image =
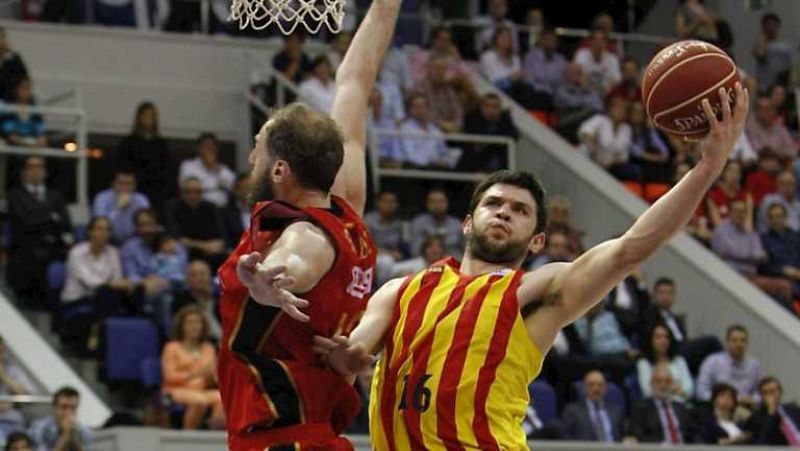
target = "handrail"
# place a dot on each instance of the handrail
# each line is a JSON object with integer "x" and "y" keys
{"x": 27, "y": 399}
{"x": 283, "y": 81}
{"x": 378, "y": 171}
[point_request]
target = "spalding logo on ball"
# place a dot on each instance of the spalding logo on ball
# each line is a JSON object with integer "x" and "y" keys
{"x": 677, "y": 80}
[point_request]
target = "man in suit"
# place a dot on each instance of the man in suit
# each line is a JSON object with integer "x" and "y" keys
{"x": 629, "y": 301}
{"x": 660, "y": 419}
{"x": 660, "y": 311}
{"x": 592, "y": 419}
{"x": 774, "y": 423}
{"x": 40, "y": 232}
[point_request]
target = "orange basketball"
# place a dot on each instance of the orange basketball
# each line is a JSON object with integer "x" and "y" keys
{"x": 676, "y": 81}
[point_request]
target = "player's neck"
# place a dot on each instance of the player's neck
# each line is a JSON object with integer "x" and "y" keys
{"x": 307, "y": 198}
{"x": 474, "y": 266}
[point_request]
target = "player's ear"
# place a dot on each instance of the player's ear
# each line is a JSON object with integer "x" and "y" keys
{"x": 280, "y": 171}
{"x": 537, "y": 243}
{"x": 466, "y": 226}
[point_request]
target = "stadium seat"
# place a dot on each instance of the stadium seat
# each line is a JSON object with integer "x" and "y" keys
{"x": 80, "y": 233}
{"x": 544, "y": 400}
{"x": 634, "y": 187}
{"x": 633, "y": 388}
{"x": 129, "y": 342}
{"x": 653, "y": 191}
{"x": 151, "y": 373}
{"x": 614, "y": 395}
{"x": 56, "y": 275}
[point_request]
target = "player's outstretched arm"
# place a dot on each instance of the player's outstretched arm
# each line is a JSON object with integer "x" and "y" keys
{"x": 295, "y": 264}
{"x": 355, "y": 80}
{"x": 567, "y": 291}
{"x": 349, "y": 356}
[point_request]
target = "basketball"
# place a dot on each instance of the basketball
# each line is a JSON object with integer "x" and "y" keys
{"x": 677, "y": 80}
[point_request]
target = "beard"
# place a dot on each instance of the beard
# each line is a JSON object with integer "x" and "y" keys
{"x": 509, "y": 252}
{"x": 262, "y": 190}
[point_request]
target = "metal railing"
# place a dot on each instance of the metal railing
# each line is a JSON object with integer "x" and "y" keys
{"x": 78, "y": 152}
{"x": 378, "y": 171}
{"x": 26, "y": 399}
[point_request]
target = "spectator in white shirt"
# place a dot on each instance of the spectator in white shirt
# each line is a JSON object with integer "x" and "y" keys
{"x": 500, "y": 64}
{"x": 607, "y": 139}
{"x": 489, "y": 25}
{"x": 432, "y": 251}
{"x": 601, "y": 66}
{"x": 340, "y": 45}
{"x": 216, "y": 178}
{"x": 319, "y": 89}
{"x": 418, "y": 151}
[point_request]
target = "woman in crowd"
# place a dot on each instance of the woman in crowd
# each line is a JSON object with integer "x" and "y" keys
{"x": 147, "y": 153}
{"x": 661, "y": 347}
{"x": 718, "y": 425}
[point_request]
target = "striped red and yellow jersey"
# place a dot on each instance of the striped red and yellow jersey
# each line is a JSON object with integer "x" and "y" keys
{"x": 455, "y": 369}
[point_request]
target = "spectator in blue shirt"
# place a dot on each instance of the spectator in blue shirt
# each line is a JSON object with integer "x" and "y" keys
{"x": 422, "y": 152}
{"x": 61, "y": 430}
{"x": 782, "y": 245}
{"x": 119, "y": 203}
{"x": 390, "y": 153}
{"x": 21, "y": 127}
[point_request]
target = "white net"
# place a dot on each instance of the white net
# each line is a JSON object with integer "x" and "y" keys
{"x": 289, "y": 14}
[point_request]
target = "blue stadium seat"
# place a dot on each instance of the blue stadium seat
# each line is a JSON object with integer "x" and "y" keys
{"x": 614, "y": 395}
{"x": 544, "y": 400}
{"x": 56, "y": 275}
{"x": 151, "y": 373}
{"x": 633, "y": 388}
{"x": 129, "y": 342}
{"x": 81, "y": 234}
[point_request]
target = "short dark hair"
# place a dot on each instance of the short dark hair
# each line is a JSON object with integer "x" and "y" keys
{"x": 770, "y": 16}
{"x": 428, "y": 241}
{"x": 435, "y": 31}
{"x": 735, "y": 328}
{"x": 16, "y": 437}
{"x": 180, "y": 318}
{"x": 299, "y": 135}
{"x": 144, "y": 211}
{"x": 663, "y": 281}
{"x": 206, "y": 136}
{"x": 720, "y": 388}
{"x": 65, "y": 392}
{"x": 520, "y": 179}
{"x": 777, "y": 205}
{"x": 768, "y": 380}
{"x": 492, "y": 96}
{"x": 649, "y": 352}
{"x": 414, "y": 95}
{"x": 386, "y": 193}
{"x": 95, "y": 220}
{"x": 321, "y": 59}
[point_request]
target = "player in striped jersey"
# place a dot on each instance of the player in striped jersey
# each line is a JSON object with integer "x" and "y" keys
{"x": 462, "y": 342}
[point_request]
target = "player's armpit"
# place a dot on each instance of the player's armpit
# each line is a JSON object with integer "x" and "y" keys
{"x": 306, "y": 252}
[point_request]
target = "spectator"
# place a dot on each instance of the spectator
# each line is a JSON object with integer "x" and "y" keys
{"x": 169, "y": 263}
{"x": 763, "y": 131}
{"x": 437, "y": 222}
{"x": 395, "y": 70}
{"x": 695, "y": 21}
{"x": 659, "y": 418}
{"x": 441, "y": 45}
{"x": 630, "y": 87}
{"x": 319, "y": 89}
{"x": 139, "y": 251}
{"x": 574, "y": 102}
{"x": 216, "y": 177}
{"x": 119, "y": 204}
{"x": 559, "y": 249}
{"x": 761, "y": 182}
{"x": 61, "y": 430}
{"x": 95, "y": 281}
{"x": 339, "y": 48}
{"x": 13, "y": 381}
{"x": 661, "y": 348}
{"x": 197, "y": 223}
{"x": 443, "y": 100}
{"x": 782, "y": 245}
{"x": 592, "y": 419}
{"x": 200, "y": 293}
{"x": 40, "y": 232}
{"x": 559, "y": 211}
{"x": 648, "y": 149}
{"x": 607, "y": 139}
{"x": 784, "y": 109}
{"x": 535, "y": 23}
{"x": 18, "y": 441}
{"x": 544, "y": 65}
{"x": 430, "y": 151}
{"x": 292, "y": 61}
{"x": 389, "y": 232}
{"x": 147, "y": 153}
{"x": 737, "y": 243}
{"x": 727, "y": 190}
{"x": 661, "y": 311}
{"x": 605, "y": 22}
{"x": 390, "y": 150}
{"x": 490, "y": 120}
{"x": 628, "y": 301}
{"x": 774, "y": 423}
{"x": 773, "y": 55}
{"x": 785, "y": 194}
{"x": 499, "y": 63}
{"x": 12, "y": 68}
{"x": 21, "y": 127}
{"x": 237, "y": 212}
{"x": 732, "y": 366}
{"x": 602, "y": 336}
{"x": 601, "y": 66}
{"x": 432, "y": 251}
{"x": 491, "y": 24}
{"x": 718, "y": 426}
{"x": 188, "y": 363}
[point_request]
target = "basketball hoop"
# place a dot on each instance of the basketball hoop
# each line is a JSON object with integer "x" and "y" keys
{"x": 288, "y": 14}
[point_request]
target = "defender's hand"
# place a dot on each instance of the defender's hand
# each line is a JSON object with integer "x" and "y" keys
{"x": 268, "y": 285}
{"x": 345, "y": 358}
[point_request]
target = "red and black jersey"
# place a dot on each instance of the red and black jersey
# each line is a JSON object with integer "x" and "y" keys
{"x": 269, "y": 375}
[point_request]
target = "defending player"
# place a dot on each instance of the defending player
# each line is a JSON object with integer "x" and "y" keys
{"x": 310, "y": 239}
{"x": 461, "y": 343}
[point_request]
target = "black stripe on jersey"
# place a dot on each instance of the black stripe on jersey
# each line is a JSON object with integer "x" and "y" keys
{"x": 257, "y": 321}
